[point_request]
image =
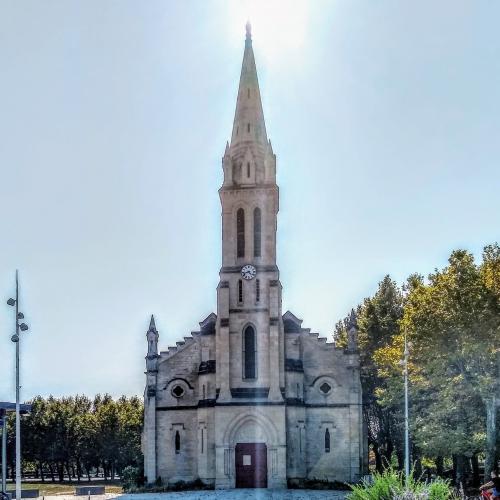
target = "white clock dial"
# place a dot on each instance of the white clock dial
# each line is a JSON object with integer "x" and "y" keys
{"x": 248, "y": 272}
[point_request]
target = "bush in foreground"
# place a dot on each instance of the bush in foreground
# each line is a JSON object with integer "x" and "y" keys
{"x": 161, "y": 487}
{"x": 132, "y": 477}
{"x": 391, "y": 485}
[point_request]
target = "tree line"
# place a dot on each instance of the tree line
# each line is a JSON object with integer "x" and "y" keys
{"x": 78, "y": 437}
{"x": 451, "y": 320}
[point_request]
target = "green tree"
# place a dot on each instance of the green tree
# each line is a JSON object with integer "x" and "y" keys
{"x": 378, "y": 324}
{"x": 72, "y": 436}
{"x": 454, "y": 324}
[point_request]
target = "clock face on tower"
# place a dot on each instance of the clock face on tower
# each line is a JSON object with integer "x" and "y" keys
{"x": 248, "y": 272}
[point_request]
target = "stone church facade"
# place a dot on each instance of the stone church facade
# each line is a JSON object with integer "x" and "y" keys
{"x": 252, "y": 399}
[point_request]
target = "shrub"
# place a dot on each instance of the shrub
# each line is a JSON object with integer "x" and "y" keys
{"x": 383, "y": 487}
{"x": 161, "y": 487}
{"x": 131, "y": 477}
{"x": 315, "y": 484}
{"x": 440, "y": 489}
{"x": 391, "y": 485}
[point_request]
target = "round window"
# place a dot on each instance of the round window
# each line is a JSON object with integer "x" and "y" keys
{"x": 325, "y": 388}
{"x": 177, "y": 391}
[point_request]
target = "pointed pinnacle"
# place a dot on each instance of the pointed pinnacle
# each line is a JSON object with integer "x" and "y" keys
{"x": 152, "y": 325}
{"x": 248, "y": 29}
{"x": 353, "y": 320}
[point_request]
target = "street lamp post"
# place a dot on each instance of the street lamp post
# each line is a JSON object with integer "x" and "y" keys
{"x": 4, "y": 450}
{"x": 16, "y": 339}
{"x": 407, "y": 427}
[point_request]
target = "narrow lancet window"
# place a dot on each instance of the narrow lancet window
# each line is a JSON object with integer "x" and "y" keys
{"x": 248, "y": 169}
{"x": 240, "y": 233}
{"x": 248, "y": 127}
{"x": 249, "y": 352}
{"x": 177, "y": 442}
{"x": 327, "y": 441}
{"x": 240, "y": 291}
{"x": 257, "y": 228}
{"x": 257, "y": 290}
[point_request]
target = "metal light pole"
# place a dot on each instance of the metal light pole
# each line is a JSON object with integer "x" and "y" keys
{"x": 407, "y": 430}
{"x": 4, "y": 450}
{"x": 16, "y": 339}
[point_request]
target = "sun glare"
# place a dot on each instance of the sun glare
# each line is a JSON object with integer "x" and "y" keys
{"x": 278, "y": 25}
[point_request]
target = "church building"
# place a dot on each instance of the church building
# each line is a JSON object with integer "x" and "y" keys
{"x": 252, "y": 399}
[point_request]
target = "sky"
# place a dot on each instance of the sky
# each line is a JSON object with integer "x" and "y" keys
{"x": 114, "y": 115}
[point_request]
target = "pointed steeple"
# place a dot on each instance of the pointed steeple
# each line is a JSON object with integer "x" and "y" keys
{"x": 248, "y": 126}
{"x": 152, "y": 326}
{"x": 152, "y": 338}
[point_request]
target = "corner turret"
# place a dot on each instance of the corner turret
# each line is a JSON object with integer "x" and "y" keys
{"x": 149, "y": 442}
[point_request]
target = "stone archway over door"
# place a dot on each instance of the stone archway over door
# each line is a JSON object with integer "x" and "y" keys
{"x": 251, "y": 465}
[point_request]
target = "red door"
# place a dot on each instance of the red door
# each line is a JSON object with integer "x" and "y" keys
{"x": 251, "y": 465}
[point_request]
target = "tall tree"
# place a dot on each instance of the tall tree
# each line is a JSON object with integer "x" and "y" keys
{"x": 454, "y": 323}
{"x": 378, "y": 323}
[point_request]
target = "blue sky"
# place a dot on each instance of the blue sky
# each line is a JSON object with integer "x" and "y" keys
{"x": 385, "y": 118}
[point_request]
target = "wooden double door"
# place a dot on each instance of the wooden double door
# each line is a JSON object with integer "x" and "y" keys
{"x": 251, "y": 465}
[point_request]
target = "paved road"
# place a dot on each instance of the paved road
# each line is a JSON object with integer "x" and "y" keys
{"x": 239, "y": 494}
{"x": 243, "y": 494}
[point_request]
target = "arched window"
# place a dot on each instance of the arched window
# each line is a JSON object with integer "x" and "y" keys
{"x": 248, "y": 169}
{"x": 327, "y": 441}
{"x": 240, "y": 233}
{"x": 257, "y": 227}
{"x": 177, "y": 442}
{"x": 257, "y": 290}
{"x": 249, "y": 352}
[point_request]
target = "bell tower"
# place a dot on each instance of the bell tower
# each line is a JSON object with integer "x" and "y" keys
{"x": 250, "y": 343}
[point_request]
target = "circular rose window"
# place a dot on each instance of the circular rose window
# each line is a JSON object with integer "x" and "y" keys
{"x": 177, "y": 391}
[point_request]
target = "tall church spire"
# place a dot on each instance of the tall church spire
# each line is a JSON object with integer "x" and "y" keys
{"x": 249, "y": 126}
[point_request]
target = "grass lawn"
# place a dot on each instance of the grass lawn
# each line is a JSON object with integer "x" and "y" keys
{"x": 66, "y": 488}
